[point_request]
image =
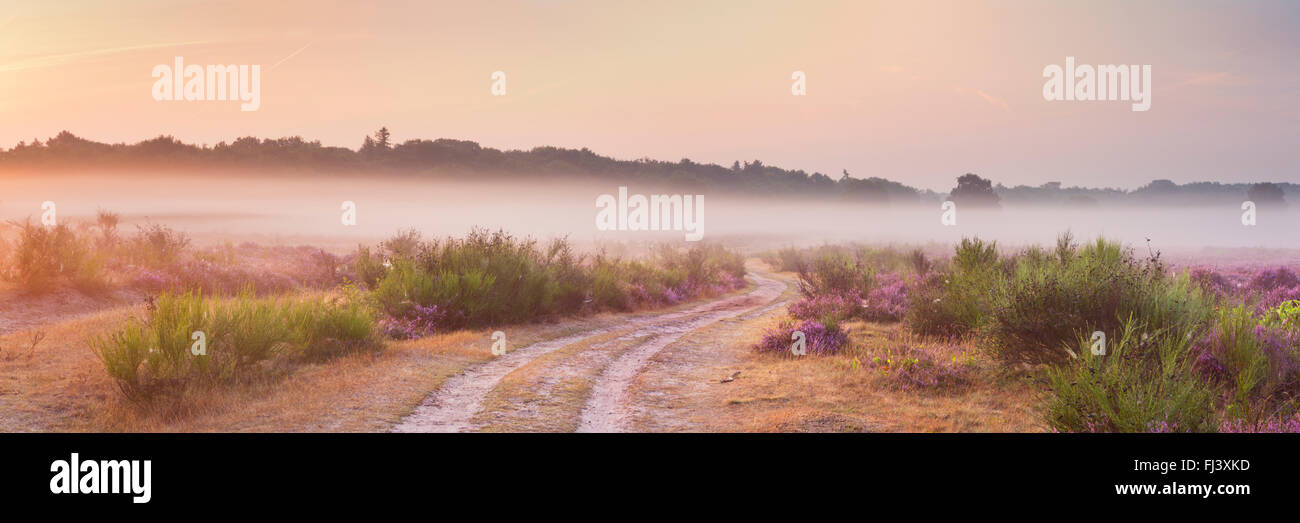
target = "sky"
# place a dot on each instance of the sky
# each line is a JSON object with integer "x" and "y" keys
{"x": 915, "y": 91}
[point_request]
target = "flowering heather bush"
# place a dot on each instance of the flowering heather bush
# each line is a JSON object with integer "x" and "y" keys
{"x": 913, "y": 368}
{"x": 819, "y": 338}
{"x": 887, "y": 301}
{"x": 1276, "y": 297}
{"x": 672, "y": 296}
{"x": 1258, "y": 364}
{"x": 1212, "y": 281}
{"x": 155, "y": 281}
{"x": 1276, "y": 424}
{"x": 638, "y": 294}
{"x": 729, "y": 281}
{"x": 1268, "y": 279}
{"x": 826, "y": 308}
{"x": 421, "y": 321}
{"x": 210, "y": 278}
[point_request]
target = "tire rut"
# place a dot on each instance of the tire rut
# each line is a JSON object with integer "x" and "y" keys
{"x": 454, "y": 405}
{"x": 606, "y": 409}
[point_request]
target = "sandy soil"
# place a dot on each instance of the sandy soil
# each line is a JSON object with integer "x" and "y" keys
{"x": 461, "y": 398}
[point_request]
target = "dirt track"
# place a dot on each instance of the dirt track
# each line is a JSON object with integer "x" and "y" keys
{"x": 459, "y": 405}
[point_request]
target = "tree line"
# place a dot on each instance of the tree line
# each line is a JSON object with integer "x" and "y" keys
{"x": 449, "y": 157}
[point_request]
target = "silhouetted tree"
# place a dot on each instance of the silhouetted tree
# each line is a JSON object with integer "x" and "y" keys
{"x": 1266, "y": 194}
{"x": 973, "y": 191}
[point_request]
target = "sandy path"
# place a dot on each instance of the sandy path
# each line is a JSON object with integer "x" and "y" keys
{"x": 452, "y": 407}
{"x": 607, "y": 408}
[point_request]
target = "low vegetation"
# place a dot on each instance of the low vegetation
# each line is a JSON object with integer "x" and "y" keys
{"x": 224, "y": 315}
{"x": 491, "y": 278}
{"x": 187, "y": 340}
{"x": 1123, "y": 343}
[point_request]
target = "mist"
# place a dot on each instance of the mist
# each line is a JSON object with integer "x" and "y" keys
{"x": 293, "y": 208}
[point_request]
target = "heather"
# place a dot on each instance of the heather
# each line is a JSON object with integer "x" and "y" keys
{"x": 828, "y": 308}
{"x": 1122, "y": 342}
{"x": 912, "y": 367}
{"x": 819, "y": 338}
{"x": 887, "y": 300}
{"x": 839, "y": 283}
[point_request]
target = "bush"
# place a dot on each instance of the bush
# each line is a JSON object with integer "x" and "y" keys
{"x": 1256, "y": 363}
{"x": 1177, "y": 372}
{"x": 494, "y": 278}
{"x": 1046, "y": 305}
{"x": 1144, "y": 383}
{"x": 834, "y": 273}
{"x": 831, "y": 308}
{"x": 914, "y": 368}
{"x": 154, "y": 357}
{"x": 368, "y": 269}
{"x": 819, "y": 338}
{"x": 44, "y": 255}
{"x": 973, "y": 255}
{"x": 950, "y": 304}
{"x": 1268, "y": 279}
{"x": 157, "y": 245}
{"x": 887, "y": 301}
{"x": 785, "y": 260}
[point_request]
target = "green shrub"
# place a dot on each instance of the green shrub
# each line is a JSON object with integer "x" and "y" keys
{"x": 1048, "y": 302}
{"x": 955, "y": 302}
{"x": 606, "y": 288}
{"x": 949, "y": 304}
{"x": 1145, "y": 382}
{"x": 157, "y": 245}
{"x": 44, "y": 255}
{"x": 1286, "y": 315}
{"x": 494, "y": 278}
{"x": 155, "y": 356}
{"x": 1255, "y": 361}
{"x": 368, "y": 268}
{"x": 835, "y": 273}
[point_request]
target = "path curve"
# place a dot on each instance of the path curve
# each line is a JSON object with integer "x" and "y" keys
{"x": 453, "y": 406}
{"x": 606, "y": 409}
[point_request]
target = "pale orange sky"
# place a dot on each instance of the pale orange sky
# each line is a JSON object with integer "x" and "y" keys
{"x": 918, "y": 92}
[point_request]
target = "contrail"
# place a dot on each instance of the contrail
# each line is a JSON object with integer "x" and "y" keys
{"x": 60, "y": 59}
{"x": 291, "y": 55}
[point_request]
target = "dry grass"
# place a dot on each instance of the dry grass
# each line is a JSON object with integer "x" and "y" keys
{"x": 835, "y": 393}
{"x": 58, "y": 385}
{"x": 683, "y": 389}
{"x": 62, "y": 387}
